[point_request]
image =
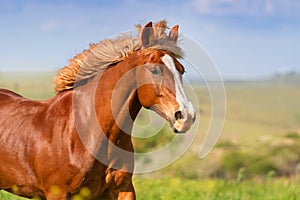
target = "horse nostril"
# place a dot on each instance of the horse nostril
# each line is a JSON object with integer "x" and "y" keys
{"x": 178, "y": 115}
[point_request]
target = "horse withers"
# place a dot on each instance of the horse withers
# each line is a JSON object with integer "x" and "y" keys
{"x": 81, "y": 137}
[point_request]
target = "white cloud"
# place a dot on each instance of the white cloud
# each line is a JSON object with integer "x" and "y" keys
{"x": 50, "y": 26}
{"x": 246, "y": 7}
{"x": 218, "y": 6}
{"x": 269, "y": 7}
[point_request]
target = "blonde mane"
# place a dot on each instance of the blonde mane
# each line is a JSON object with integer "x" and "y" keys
{"x": 99, "y": 56}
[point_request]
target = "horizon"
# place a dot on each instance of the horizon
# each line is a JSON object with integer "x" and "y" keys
{"x": 189, "y": 79}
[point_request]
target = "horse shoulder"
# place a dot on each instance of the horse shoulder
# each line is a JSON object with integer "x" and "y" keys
{"x": 71, "y": 158}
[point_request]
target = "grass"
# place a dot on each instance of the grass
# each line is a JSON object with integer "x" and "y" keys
{"x": 211, "y": 189}
{"x": 7, "y": 196}
{"x": 214, "y": 189}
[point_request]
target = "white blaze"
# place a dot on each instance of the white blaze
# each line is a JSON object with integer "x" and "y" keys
{"x": 180, "y": 95}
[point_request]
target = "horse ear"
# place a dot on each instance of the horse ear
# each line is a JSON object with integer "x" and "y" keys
{"x": 147, "y": 35}
{"x": 173, "y": 35}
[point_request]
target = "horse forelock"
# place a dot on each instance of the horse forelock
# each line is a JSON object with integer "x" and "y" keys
{"x": 99, "y": 56}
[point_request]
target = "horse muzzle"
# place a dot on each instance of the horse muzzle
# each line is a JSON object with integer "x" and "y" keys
{"x": 183, "y": 119}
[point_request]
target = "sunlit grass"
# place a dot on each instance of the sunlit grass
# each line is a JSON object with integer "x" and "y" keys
{"x": 215, "y": 189}
{"x": 208, "y": 189}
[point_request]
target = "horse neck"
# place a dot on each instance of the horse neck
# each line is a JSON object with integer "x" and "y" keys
{"x": 115, "y": 100}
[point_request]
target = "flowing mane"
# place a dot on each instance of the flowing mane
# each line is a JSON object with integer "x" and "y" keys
{"x": 99, "y": 56}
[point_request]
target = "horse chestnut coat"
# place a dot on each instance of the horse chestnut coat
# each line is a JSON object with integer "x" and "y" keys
{"x": 81, "y": 138}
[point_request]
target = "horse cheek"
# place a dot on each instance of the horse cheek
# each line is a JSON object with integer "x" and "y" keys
{"x": 144, "y": 94}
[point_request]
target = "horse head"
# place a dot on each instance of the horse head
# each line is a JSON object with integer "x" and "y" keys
{"x": 159, "y": 81}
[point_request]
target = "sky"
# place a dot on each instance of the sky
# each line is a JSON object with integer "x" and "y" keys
{"x": 246, "y": 39}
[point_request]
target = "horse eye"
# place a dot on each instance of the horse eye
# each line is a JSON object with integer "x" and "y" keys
{"x": 155, "y": 70}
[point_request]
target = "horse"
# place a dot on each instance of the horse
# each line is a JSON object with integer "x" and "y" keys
{"x": 53, "y": 148}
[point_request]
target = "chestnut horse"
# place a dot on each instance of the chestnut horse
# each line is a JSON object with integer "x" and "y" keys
{"x": 51, "y": 149}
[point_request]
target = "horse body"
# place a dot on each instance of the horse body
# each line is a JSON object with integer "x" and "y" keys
{"x": 46, "y": 148}
{"x": 35, "y": 150}
{"x": 53, "y": 148}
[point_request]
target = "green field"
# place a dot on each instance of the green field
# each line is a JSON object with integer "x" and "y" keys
{"x": 257, "y": 156}
{"x": 165, "y": 189}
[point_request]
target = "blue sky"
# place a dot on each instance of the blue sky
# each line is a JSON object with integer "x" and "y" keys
{"x": 245, "y": 38}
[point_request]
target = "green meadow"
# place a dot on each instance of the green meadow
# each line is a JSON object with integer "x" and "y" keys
{"x": 256, "y": 157}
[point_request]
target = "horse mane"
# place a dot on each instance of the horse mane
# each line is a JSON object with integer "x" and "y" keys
{"x": 99, "y": 56}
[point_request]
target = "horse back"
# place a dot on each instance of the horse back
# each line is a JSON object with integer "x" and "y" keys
{"x": 5, "y": 92}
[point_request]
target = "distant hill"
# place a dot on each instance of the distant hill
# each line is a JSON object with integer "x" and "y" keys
{"x": 289, "y": 77}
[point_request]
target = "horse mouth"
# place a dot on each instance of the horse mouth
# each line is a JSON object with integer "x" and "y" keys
{"x": 180, "y": 121}
{"x": 182, "y": 125}
{"x": 178, "y": 128}
{"x": 177, "y": 131}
